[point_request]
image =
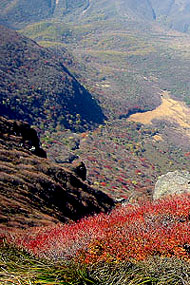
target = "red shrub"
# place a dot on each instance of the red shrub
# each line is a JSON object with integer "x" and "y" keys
{"x": 129, "y": 232}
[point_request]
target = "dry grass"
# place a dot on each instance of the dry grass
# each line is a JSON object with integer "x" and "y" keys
{"x": 154, "y": 271}
{"x": 169, "y": 109}
{"x": 19, "y": 268}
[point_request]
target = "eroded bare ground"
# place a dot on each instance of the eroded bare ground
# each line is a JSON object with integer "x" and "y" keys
{"x": 170, "y": 109}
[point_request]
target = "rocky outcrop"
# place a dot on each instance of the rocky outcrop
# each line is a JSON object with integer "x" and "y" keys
{"x": 28, "y": 136}
{"x": 80, "y": 170}
{"x": 35, "y": 191}
{"x": 176, "y": 182}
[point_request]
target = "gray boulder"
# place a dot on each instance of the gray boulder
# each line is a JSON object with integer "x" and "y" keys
{"x": 176, "y": 182}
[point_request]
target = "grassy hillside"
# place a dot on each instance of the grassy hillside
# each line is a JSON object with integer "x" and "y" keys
{"x": 119, "y": 52}
{"x": 16, "y": 12}
{"x": 126, "y": 66}
{"x": 126, "y": 59}
{"x": 19, "y": 267}
{"x": 172, "y": 14}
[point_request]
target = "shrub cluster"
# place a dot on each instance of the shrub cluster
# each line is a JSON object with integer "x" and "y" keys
{"x": 129, "y": 233}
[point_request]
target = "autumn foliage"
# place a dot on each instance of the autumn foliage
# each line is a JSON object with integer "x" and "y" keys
{"x": 129, "y": 232}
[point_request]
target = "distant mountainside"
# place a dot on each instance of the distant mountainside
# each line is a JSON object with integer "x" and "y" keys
{"x": 172, "y": 13}
{"x": 19, "y": 11}
{"x": 36, "y": 86}
{"x": 125, "y": 58}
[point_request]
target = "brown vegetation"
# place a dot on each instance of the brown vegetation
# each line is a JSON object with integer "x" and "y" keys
{"x": 35, "y": 191}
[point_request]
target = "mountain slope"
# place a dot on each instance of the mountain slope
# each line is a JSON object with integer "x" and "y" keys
{"x": 35, "y": 191}
{"x": 129, "y": 58}
{"x": 15, "y": 11}
{"x": 126, "y": 62}
{"x": 37, "y": 87}
{"x": 172, "y": 13}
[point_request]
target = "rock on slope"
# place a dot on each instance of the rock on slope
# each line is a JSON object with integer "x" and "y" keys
{"x": 35, "y": 191}
{"x": 36, "y": 86}
{"x": 176, "y": 182}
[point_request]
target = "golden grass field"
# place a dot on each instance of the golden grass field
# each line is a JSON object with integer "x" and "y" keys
{"x": 170, "y": 109}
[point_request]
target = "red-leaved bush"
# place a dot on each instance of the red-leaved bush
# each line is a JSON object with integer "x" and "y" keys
{"x": 128, "y": 233}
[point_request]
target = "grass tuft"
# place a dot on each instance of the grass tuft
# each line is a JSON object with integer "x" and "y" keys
{"x": 156, "y": 270}
{"x": 19, "y": 268}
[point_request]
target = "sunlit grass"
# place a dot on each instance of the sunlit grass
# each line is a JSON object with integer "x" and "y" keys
{"x": 51, "y": 44}
{"x": 19, "y": 268}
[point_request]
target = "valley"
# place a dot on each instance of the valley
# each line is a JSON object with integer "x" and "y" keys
{"x": 131, "y": 120}
{"x": 95, "y": 111}
{"x": 124, "y": 64}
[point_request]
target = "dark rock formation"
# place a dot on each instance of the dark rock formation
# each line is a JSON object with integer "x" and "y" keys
{"x": 81, "y": 171}
{"x": 35, "y": 191}
{"x": 29, "y": 137}
{"x": 28, "y": 134}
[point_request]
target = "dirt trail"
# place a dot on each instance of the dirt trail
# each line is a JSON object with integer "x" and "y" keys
{"x": 170, "y": 109}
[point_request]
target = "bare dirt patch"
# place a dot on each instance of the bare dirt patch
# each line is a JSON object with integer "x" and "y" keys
{"x": 169, "y": 109}
{"x": 158, "y": 138}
